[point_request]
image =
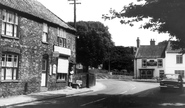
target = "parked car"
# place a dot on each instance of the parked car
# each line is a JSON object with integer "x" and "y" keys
{"x": 171, "y": 81}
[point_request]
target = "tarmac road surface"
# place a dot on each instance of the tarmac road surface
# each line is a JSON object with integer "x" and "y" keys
{"x": 118, "y": 94}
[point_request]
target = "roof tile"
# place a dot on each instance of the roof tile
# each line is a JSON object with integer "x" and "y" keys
{"x": 36, "y": 9}
{"x": 148, "y": 51}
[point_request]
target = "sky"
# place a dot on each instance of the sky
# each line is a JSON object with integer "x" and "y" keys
{"x": 92, "y": 10}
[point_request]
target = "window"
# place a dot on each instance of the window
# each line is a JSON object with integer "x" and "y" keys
{"x": 144, "y": 63}
{"x": 161, "y": 73}
{"x": 9, "y": 23}
{"x": 45, "y": 33}
{"x": 146, "y": 74}
{"x": 9, "y": 68}
{"x": 181, "y": 72}
{"x": 62, "y": 69}
{"x": 160, "y": 62}
{"x": 62, "y": 76}
{"x": 62, "y": 41}
{"x": 44, "y": 63}
{"x": 179, "y": 59}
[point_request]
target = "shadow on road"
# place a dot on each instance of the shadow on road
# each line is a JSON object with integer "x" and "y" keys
{"x": 151, "y": 98}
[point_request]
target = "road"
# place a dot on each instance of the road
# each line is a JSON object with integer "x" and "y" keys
{"x": 118, "y": 94}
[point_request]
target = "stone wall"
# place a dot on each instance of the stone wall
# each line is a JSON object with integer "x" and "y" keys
{"x": 30, "y": 48}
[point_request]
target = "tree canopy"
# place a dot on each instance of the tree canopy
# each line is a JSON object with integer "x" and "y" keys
{"x": 120, "y": 58}
{"x": 93, "y": 43}
{"x": 166, "y": 16}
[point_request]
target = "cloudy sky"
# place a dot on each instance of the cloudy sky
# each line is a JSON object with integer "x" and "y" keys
{"x": 92, "y": 10}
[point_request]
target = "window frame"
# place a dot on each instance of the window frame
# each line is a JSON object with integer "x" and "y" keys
{"x": 45, "y": 37}
{"x": 179, "y": 59}
{"x": 61, "y": 77}
{"x": 44, "y": 64}
{"x": 62, "y": 38}
{"x": 144, "y": 62}
{"x": 158, "y": 62}
{"x": 9, "y": 22}
{"x": 13, "y": 69}
{"x": 181, "y": 72}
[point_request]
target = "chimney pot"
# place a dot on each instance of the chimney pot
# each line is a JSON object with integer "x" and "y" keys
{"x": 152, "y": 42}
{"x": 138, "y": 42}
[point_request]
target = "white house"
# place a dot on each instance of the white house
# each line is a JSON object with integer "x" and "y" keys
{"x": 155, "y": 60}
{"x": 175, "y": 61}
{"x": 149, "y": 60}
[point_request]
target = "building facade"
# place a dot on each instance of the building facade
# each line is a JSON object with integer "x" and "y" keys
{"x": 36, "y": 48}
{"x": 174, "y": 61}
{"x": 155, "y": 60}
{"x": 149, "y": 60}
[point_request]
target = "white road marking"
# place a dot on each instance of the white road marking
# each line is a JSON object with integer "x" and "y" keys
{"x": 124, "y": 92}
{"x": 133, "y": 88}
{"x": 93, "y": 102}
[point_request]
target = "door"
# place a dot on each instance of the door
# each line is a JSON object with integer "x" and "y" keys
{"x": 44, "y": 72}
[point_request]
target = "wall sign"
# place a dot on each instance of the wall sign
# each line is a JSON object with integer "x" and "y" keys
{"x": 54, "y": 68}
{"x": 151, "y": 63}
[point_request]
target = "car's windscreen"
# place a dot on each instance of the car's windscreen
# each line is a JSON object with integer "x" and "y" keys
{"x": 170, "y": 76}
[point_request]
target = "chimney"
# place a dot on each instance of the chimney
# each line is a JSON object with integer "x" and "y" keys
{"x": 152, "y": 42}
{"x": 138, "y": 42}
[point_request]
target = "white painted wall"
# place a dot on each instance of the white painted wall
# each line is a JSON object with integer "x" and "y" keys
{"x": 171, "y": 64}
{"x": 138, "y": 65}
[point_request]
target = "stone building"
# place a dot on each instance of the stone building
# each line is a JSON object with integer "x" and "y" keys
{"x": 37, "y": 48}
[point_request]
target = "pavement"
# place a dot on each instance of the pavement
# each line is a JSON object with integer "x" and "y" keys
{"x": 33, "y": 97}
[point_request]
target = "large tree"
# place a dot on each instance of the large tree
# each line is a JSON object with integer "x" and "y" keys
{"x": 120, "y": 58}
{"x": 165, "y": 16}
{"x": 93, "y": 43}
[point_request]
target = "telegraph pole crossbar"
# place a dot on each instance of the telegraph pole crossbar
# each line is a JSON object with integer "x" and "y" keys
{"x": 74, "y": 10}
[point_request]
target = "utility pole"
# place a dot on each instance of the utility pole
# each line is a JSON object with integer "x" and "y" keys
{"x": 74, "y": 3}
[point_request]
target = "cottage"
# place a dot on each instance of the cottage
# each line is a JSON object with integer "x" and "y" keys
{"x": 155, "y": 60}
{"x": 36, "y": 48}
{"x": 149, "y": 60}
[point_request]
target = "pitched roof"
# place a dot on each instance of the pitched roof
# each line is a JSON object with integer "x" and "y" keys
{"x": 35, "y": 8}
{"x": 149, "y": 51}
{"x": 170, "y": 50}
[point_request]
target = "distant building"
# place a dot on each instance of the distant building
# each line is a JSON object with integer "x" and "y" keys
{"x": 155, "y": 60}
{"x": 37, "y": 48}
{"x": 149, "y": 60}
